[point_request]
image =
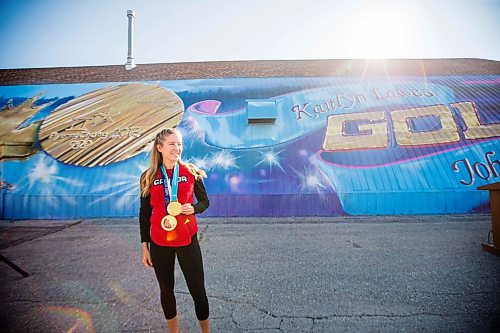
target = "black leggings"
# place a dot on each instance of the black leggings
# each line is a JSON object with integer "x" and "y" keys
{"x": 191, "y": 264}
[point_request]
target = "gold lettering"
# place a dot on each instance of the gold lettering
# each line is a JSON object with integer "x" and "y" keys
{"x": 475, "y": 130}
{"x": 372, "y": 132}
{"x": 405, "y": 136}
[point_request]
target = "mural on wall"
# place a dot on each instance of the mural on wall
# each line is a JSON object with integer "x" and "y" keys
{"x": 109, "y": 125}
{"x": 270, "y": 146}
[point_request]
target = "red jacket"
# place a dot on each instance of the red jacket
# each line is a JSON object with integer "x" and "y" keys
{"x": 186, "y": 224}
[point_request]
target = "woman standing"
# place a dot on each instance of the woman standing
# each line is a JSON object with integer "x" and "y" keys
{"x": 168, "y": 224}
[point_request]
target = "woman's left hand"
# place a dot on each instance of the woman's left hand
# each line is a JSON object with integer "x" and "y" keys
{"x": 187, "y": 209}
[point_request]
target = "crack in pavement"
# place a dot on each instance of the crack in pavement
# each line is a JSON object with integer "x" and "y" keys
{"x": 315, "y": 319}
{"x": 265, "y": 312}
{"x": 238, "y": 326}
{"x": 202, "y": 232}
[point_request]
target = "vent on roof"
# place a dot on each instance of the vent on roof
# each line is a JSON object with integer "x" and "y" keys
{"x": 261, "y": 112}
{"x": 130, "y": 57}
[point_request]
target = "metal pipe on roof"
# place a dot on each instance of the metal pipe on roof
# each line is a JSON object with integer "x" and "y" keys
{"x": 130, "y": 57}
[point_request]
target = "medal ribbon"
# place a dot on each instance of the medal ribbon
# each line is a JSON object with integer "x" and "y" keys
{"x": 170, "y": 190}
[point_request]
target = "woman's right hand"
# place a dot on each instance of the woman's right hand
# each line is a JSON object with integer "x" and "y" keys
{"x": 146, "y": 257}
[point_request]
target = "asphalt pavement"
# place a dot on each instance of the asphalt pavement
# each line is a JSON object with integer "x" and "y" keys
{"x": 339, "y": 274}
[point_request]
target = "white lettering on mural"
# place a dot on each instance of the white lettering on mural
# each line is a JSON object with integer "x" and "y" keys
{"x": 485, "y": 171}
{"x": 395, "y": 93}
{"x": 349, "y": 101}
{"x": 341, "y": 101}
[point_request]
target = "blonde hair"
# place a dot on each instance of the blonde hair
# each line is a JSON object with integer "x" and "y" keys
{"x": 156, "y": 160}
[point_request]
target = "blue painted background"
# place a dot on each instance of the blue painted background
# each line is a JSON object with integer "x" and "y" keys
{"x": 281, "y": 169}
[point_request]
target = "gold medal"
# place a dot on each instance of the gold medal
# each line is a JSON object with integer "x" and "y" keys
{"x": 171, "y": 220}
{"x": 174, "y": 208}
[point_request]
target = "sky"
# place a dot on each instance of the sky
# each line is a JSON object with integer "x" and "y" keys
{"x": 60, "y": 33}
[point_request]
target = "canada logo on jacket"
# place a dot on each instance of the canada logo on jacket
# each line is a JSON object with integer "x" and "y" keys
{"x": 181, "y": 179}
